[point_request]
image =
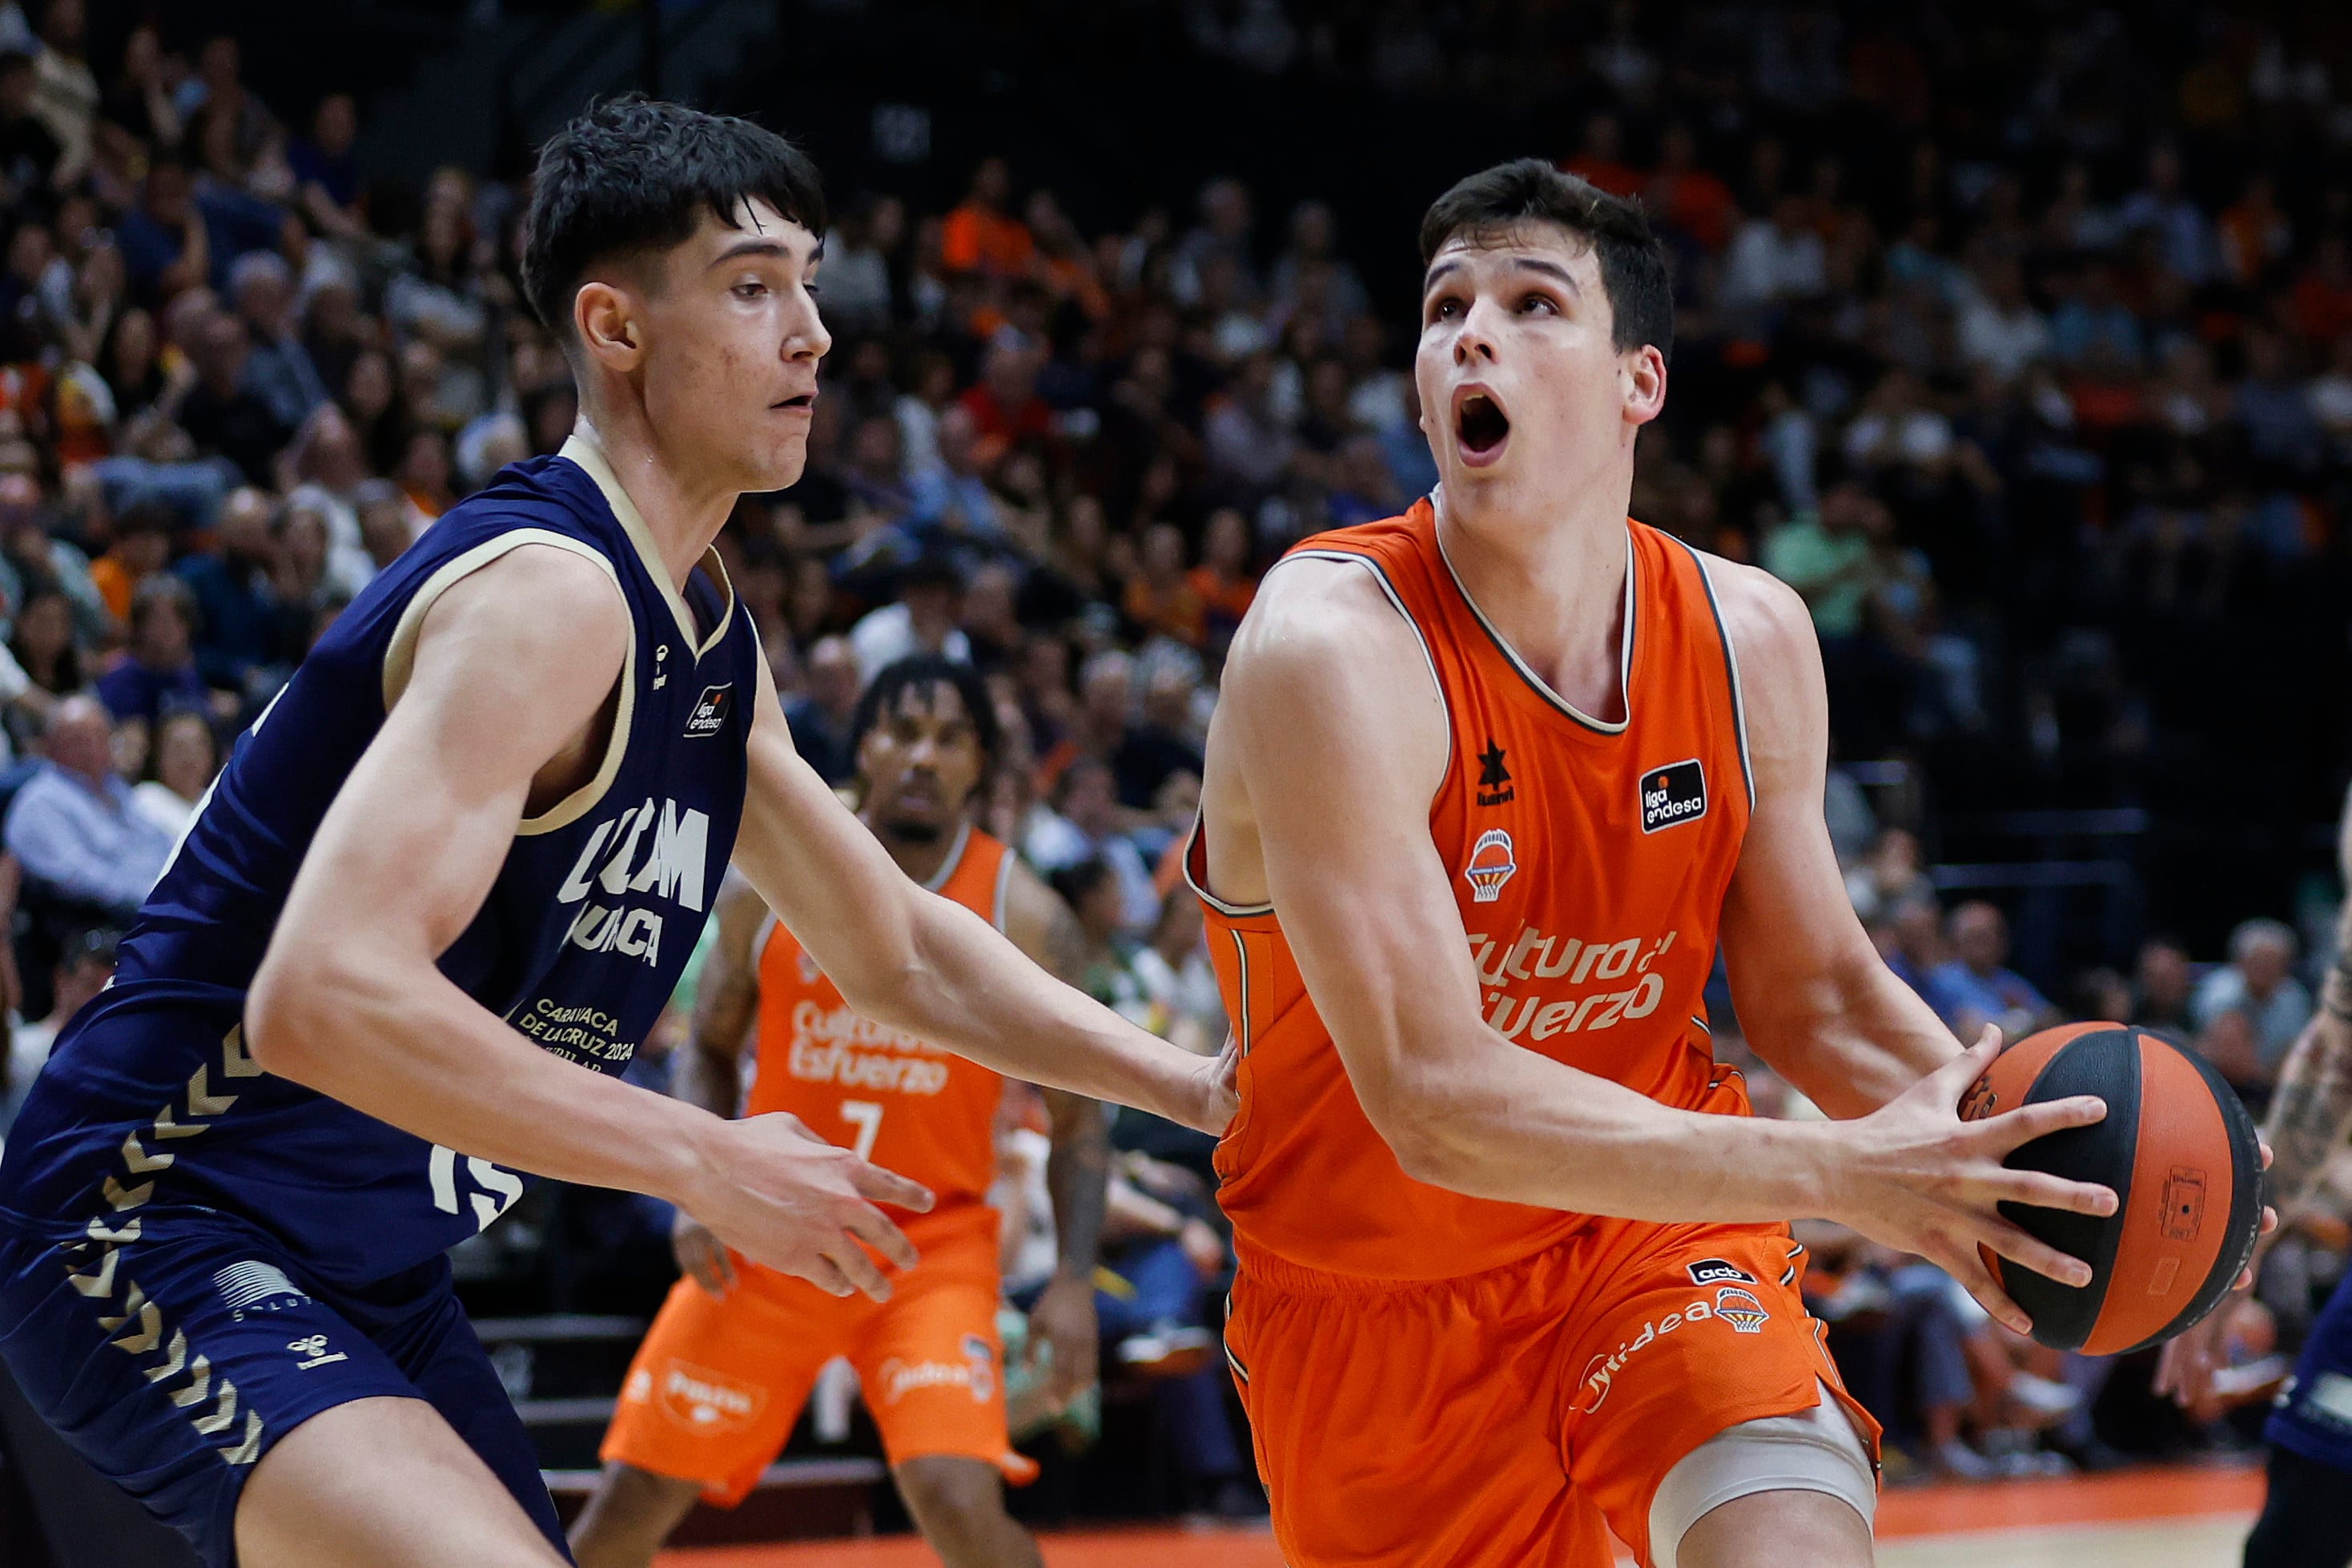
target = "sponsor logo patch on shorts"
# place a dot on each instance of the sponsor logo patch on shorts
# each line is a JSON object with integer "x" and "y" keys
{"x": 1717, "y": 1271}
{"x": 1743, "y": 1312}
{"x": 701, "y": 1400}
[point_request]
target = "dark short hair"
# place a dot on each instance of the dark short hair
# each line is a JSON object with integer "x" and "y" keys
{"x": 1633, "y": 268}
{"x": 920, "y": 672}
{"x": 158, "y": 592}
{"x": 632, "y": 176}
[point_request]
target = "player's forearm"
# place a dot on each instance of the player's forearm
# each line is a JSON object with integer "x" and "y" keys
{"x": 966, "y": 987}
{"x": 1077, "y": 1174}
{"x": 1849, "y": 1038}
{"x": 404, "y": 1045}
{"x": 707, "y": 1078}
{"x": 1504, "y": 1123}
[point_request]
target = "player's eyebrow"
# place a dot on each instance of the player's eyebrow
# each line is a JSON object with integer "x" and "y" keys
{"x": 754, "y": 246}
{"x": 1438, "y": 271}
{"x": 1551, "y": 269}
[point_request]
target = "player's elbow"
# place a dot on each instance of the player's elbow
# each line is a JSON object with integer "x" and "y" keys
{"x": 291, "y": 1013}
{"x": 1417, "y": 1119}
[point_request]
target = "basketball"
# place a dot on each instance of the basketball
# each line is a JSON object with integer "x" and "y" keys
{"x": 2179, "y": 1152}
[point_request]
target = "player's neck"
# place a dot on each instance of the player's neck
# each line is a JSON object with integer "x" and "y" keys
{"x": 681, "y": 515}
{"x": 1547, "y": 571}
{"x": 922, "y": 859}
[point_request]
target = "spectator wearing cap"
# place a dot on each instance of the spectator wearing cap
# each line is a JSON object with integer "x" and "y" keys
{"x": 922, "y": 619}
{"x": 73, "y": 826}
{"x": 820, "y": 716}
{"x": 160, "y": 665}
{"x": 2259, "y": 983}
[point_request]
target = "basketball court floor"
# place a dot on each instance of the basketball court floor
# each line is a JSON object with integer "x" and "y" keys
{"x": 2165, "y": 1518}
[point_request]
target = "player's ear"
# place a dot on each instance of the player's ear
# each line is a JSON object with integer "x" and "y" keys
{"x": 608, "y": 323}
{"x": 1646, "y": 383}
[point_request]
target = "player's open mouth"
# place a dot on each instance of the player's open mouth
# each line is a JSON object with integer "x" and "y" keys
{"x": 1480, "y": 426}
{"x": 803, "y": 403}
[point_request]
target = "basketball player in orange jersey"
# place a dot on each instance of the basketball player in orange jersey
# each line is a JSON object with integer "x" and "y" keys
{"x": 1486, "y": 785}
{"x": 722, "y": 1375}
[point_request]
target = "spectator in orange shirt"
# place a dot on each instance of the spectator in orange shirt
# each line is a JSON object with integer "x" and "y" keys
{"x": 1223, "y": 582}
{"x": 142, "y": 547}
{"x": 1160, "y": 598}
{"x": 981, "y": 235}
{"x": 1065, "y": 264}
{"x": 1601, "y": 161}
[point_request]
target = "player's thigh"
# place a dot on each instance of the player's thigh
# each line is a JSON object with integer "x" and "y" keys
{"x": 1701, "y": 1334}
{"x": 1407, "y": 1427}
{"x": 382, "y": 1483}
{"x": 930, "y": 1362}
{"x": 713, "y": 1391}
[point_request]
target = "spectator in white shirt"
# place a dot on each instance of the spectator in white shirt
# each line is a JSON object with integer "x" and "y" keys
{"x": 1999, "y": 329}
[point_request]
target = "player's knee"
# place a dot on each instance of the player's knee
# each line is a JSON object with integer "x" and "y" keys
{"x": 1767, "y": 1528}
{"x": 630, "y": 1512}
{"x": 948, "y": 1492}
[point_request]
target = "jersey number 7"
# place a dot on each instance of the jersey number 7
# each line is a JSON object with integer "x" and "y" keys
{"x": 866, "y": 1115}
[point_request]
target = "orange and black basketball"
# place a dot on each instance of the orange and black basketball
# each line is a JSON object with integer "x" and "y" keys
{"x": 2181, "y": 1155}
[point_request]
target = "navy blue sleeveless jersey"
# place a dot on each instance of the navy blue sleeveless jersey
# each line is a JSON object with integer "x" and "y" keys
{"x": 151, "y": 1113}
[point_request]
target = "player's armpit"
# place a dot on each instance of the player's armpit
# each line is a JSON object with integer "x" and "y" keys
{"x": 1815, "y": 1000}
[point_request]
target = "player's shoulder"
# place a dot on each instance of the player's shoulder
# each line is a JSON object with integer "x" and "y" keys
{"x": 1765, "y": 618}
{"x": 1321, "y": 613}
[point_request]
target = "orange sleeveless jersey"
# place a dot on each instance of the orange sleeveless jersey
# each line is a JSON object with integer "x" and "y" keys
{"x": 1590, "y": 861}
{"x": 903, "y": 1103}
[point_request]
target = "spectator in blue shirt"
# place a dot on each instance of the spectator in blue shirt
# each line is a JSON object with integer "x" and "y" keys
{"x": 1971, "y": 989}
{"x": 162, "y": 239}
{"x": 73, "y": 826}
{"x": 235, "y": 610}
{"x": 162, "y": 666}
{"x": 277, "y": 368}
{"x": 2258, "y": 983}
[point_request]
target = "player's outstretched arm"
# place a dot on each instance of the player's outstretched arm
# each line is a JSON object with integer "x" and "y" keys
{"x": 1815, "y": 1000}
{"x": 1328, "y": 715}
{"x": 909, "y": 958}
{"x": 515, "y": 666}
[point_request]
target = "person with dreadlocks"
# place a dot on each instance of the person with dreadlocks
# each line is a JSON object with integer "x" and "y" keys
{"x": 721, "y": 1377}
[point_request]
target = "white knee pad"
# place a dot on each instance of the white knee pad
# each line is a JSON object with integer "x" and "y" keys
{"x": 1815, "y": 1450}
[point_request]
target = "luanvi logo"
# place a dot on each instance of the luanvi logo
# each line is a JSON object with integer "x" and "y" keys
{"x": 710, "y": 711}
{"x": 1676, "y": 792}
{"x": 1494, "y": 778}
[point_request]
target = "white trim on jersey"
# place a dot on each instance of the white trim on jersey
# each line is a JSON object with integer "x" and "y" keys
{"x": 400, "y": 661}
{"x": 581, "y": 449}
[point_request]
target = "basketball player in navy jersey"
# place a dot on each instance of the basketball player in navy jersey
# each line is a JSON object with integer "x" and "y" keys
{"x": 459, "y": 859}
{"x": 2306, "y": 1518}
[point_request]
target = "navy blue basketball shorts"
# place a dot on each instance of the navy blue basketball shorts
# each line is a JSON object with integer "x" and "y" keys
{"x": 173, "y": 1360}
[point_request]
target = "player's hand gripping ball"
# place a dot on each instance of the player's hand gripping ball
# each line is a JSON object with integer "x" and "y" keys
{"x": 2181, "y": 1155}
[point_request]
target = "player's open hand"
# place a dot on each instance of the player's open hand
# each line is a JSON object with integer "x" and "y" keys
{"x": 781, "y": 1195}
{"x": 2189, "y": 1359}
{"x": 1916, "y": 1177}
{"x": 1063, "y": 1322}
{"x": 701, "y": 1256}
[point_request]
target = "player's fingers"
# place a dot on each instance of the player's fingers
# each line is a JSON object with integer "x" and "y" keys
{"x": 2266, "y": 1148}
{"x": 826, "y": 1277}
{"x": 2270, "y": 1219}
{"x": 1967, "y": 1265}
{"x": 1954, "y": 1077}
{"x": 2027, "y": 1122}
{"x": 872, "y": 1227}
{"x": 2039, "y": 1189}
{"x": 890, "y": 1187}
{"x": 723, "y": 1264}
{"x": 2035, "y": 1254}
{"x": 851, "y": 1260}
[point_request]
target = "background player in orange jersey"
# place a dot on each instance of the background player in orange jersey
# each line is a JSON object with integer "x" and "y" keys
{"x": 723, "y": 1372}
{"x": 1484, "y": 784}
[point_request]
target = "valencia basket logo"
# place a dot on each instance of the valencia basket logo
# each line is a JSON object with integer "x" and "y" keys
{"x": 1491, "y": 864}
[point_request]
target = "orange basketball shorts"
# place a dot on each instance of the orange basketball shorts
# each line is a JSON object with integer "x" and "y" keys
{"x": 719, "y": 1383}
{"x": 1496, "y": 1421}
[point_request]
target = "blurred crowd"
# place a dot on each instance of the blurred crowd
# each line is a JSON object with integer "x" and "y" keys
{"x": 2024, "y": 352}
